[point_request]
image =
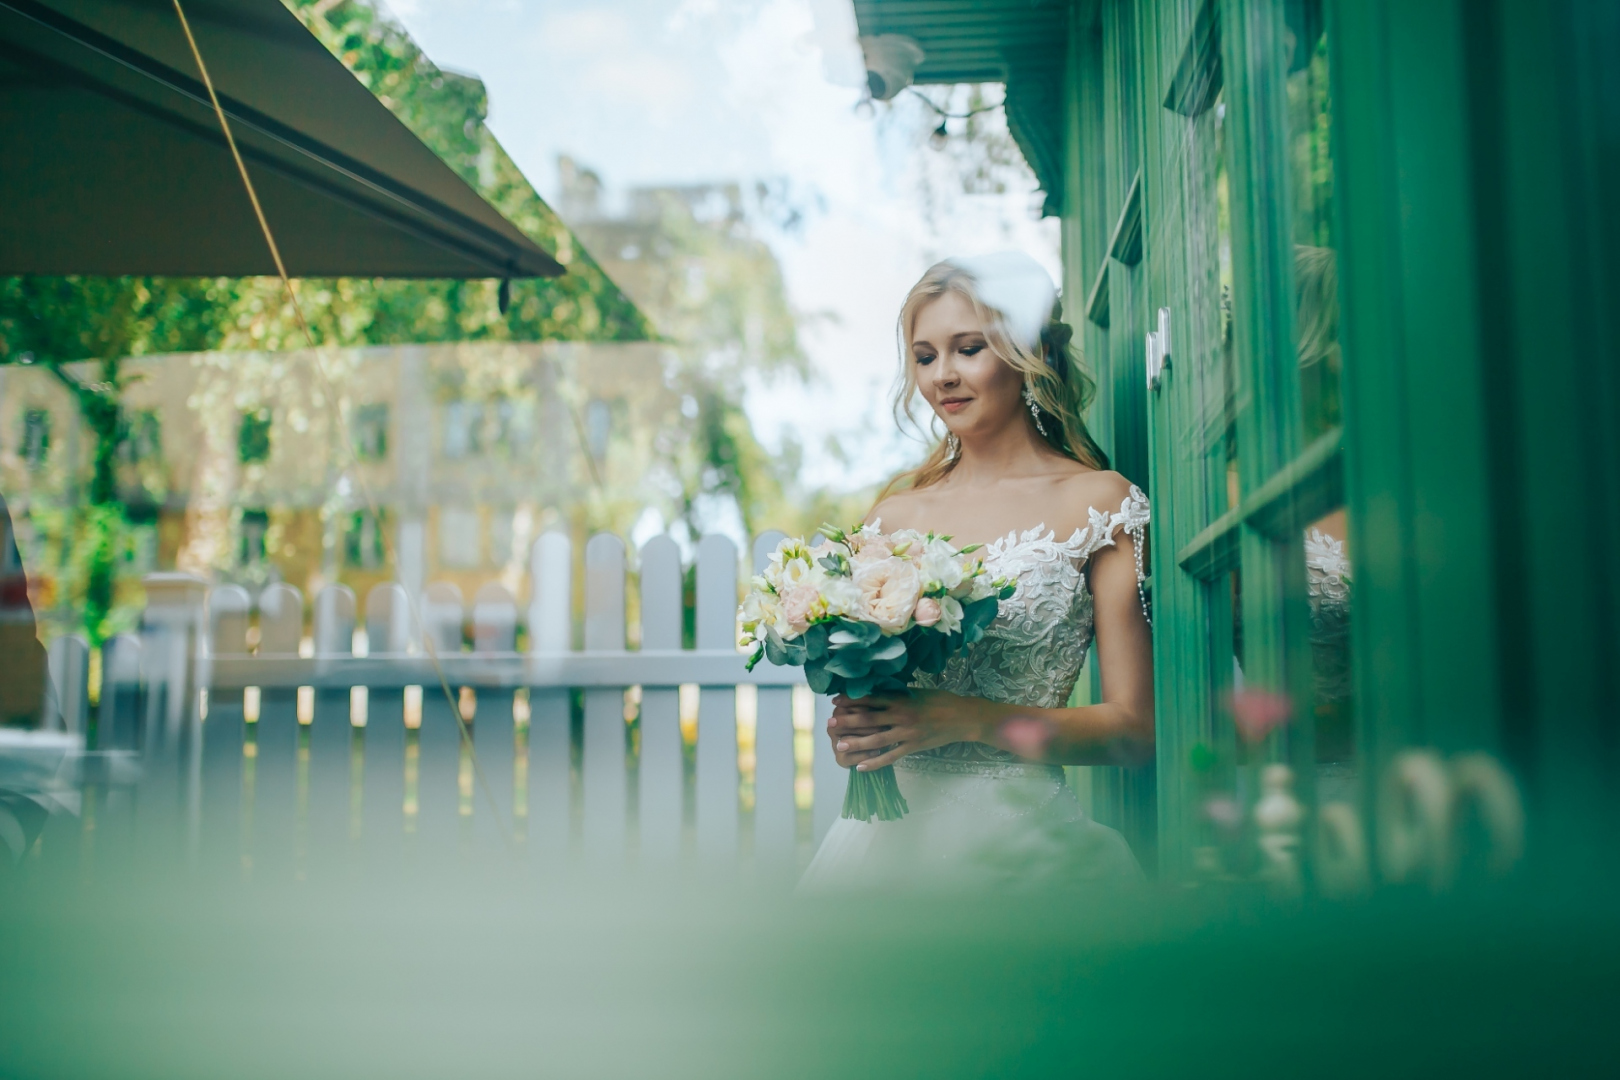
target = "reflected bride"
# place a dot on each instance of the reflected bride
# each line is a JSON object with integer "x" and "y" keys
{"x": 979, "y": 748}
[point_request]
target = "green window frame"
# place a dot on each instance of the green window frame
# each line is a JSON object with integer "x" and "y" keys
{"x": 1144, "y": 81}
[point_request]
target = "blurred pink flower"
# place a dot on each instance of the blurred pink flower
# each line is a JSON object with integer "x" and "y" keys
{"x": 928, "y": 611}
{"x": 1256, "y": 713}
{"x": 1027, "y": 736}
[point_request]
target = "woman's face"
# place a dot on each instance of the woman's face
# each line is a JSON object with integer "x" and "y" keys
{"x": 969, "y": 387}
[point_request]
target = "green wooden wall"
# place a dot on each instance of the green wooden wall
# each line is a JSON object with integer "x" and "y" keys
{"x": 1475, "y": 443}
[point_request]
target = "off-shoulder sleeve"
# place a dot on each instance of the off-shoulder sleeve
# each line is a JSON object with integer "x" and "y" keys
{"x": 1135, "y": 514}
{"x": 1132, "y": 518}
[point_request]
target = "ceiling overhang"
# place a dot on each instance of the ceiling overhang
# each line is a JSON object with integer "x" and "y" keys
{"x": 1022, "y": 43}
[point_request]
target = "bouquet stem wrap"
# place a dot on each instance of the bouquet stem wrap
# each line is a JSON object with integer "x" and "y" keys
{"x": 863, "y": 612}
{"x": 874, "y": 794}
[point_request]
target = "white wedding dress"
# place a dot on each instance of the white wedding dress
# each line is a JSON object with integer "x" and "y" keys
{"x": 979, "y": 816}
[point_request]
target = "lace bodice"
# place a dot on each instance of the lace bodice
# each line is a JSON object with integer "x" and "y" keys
{"x": 1033, "y": 652}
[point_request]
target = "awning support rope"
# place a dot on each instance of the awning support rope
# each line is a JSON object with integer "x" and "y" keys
{"x": 345, "y": 436}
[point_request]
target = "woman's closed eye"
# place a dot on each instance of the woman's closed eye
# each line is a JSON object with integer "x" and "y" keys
{"x": 924, "y": 359}
{"x": 971, "y": 350}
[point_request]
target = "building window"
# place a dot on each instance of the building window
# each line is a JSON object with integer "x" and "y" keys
{"x": 363, "y": 542}
{"x": 371, "y": 432}
{"x": 458, "y": 538}
{"x": 463, "y": 429}
{"x": 255, "y": 525}
{"x": 510, "y": 423}
{"x": 598, "y": 427}
{"x": 36, "y": 437}
{"x": 501, "y": 536}
{"x": 143, "y": 437}
{"x": 253, "y": 437}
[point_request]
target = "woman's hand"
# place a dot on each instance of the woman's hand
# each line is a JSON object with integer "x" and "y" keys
{"x": 869, "y": 733}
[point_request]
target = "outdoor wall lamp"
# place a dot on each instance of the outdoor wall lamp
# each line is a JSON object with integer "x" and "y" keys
{"x": 891, "y": 64}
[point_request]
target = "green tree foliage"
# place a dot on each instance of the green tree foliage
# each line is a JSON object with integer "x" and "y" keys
{"x": 691, "y": 260}
{"x": 58, "y": 320}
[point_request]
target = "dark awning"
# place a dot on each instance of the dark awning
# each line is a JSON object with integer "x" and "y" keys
{"x": 112, "y": 161}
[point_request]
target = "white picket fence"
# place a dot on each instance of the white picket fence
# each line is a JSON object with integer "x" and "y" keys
{"x": 234, "y": 777}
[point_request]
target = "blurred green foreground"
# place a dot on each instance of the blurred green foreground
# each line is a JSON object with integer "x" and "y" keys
{"x": 464, "y": 970}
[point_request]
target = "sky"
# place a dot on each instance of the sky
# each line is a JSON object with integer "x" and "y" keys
{"x": 649, "y": 92}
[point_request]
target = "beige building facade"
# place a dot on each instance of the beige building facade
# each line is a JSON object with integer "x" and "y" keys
{"x": 418, "y": 463}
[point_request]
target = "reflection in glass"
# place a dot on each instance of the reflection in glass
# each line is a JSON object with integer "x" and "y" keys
{"x": 1316, "y": 338}
{"x": 1310, "y": 165}
{"x": 1328, "y": 578}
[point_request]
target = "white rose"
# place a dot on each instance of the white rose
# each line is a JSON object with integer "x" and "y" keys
{"x": 950, "y": 615}
{"x": 981, "y": 588}
{"x": 761, "y": 610}
{"x": 889, "y": 589}
{"x": 786, "y": 564}
{"x": 908, "y": 542}
{"x": 753, "y": 610}
{"x": 940, "y": 567}
{"x": 791, "y": 574}
{"x": 841, "y": 596}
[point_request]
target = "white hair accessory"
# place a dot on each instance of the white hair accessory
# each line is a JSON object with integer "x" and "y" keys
{"x": 1015, "y": 285}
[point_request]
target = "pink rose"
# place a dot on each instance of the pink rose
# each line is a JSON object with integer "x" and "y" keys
{"x": 870, "y": 547}
{"x": 796, "y": 605}
{"x": 889, "y": 590}
{"x": 928, "y": 611}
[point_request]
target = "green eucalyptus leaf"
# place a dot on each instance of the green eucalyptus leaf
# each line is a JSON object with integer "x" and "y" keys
{"x": 819, "y": 678}
{"x": 889, "y": 648}
{"x": 893, "y": 684}
{"x": 890, "y": 665}
{"x": 815, "y": 641}
{"x": 979, "y": 614}
{"x": 929, "y": 654}
{"x": 850, "y": 663}
{"x": 866, "y": 633}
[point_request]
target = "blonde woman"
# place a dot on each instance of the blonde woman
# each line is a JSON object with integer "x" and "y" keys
{"x": 978, "y": 749}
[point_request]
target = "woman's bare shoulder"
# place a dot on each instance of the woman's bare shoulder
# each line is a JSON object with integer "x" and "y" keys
{"x": 1094, "y": 489}
{"x": 896, "y": 509}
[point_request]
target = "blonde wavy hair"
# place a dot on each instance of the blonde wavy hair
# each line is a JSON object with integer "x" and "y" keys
{"x": 1062, "y": 387}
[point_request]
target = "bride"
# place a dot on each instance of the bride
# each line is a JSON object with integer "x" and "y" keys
{"x": 978, "y": 749}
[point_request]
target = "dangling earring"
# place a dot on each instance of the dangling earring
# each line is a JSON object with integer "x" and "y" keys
{"x": 953, "y": 446}
{"x": 1034, "y": 410}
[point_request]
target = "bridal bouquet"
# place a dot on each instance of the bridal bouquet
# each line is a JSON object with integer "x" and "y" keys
{"x": 863, "y": 611}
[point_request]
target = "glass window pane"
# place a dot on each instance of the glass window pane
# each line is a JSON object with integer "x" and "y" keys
{"x": 1316, "y": 337}
{"x": 1310, "y": 167}
{"x": 1328, "y": 586}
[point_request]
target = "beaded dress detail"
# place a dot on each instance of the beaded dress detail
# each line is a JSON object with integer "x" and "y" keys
{"x": 1033, "y": 652}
